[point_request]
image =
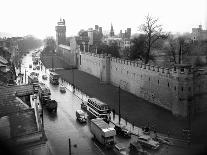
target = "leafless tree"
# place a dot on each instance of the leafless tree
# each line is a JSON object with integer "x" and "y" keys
{"x": 50, "y": 43}
{"x": 153, "y": 32}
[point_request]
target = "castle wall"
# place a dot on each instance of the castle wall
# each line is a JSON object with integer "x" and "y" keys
{"x": 168, "y": 88}
{"x": 67, "y": 56}
{"x": 91, "y": 63}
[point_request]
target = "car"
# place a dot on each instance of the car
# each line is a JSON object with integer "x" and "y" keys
{"x": 44, "y": 77}
{"x": 120, "y": 149}
{"x": 84, "y": 105}
{"x": 163, "y": 140}
{"x": 136, "y": 148}
{"x": 147, "y": 141}
{"x": 80, "y": 116}
{"x": 122, "y": 131}
{"x": 34, "y": 68}
{"x": 38, "y": 67}
{"x": 30, "y": 66}
{"x": 62, "y": 89}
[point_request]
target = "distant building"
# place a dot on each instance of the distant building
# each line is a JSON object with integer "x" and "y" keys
{"x": 111, "y": 31}
{"x": 126, "y": 34}
{"x": 198, "y": 34}
{"x": 61, "y": 32}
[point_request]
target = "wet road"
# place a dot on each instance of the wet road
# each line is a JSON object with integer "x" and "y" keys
{"x": 62, "y": 126}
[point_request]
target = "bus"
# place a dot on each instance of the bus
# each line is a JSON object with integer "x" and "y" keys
{"x": 98, "y": 109}
{"x": 54, "y": 78}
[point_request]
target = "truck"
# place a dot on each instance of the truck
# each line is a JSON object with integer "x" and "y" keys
{"x": 32, "y": 79}
{"x": 44, "y": 93}
{"x": 102, "y": 132}
{"x": 80, "y": 115}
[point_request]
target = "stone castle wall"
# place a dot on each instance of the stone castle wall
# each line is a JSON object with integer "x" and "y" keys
{"x": 168, "y": 88}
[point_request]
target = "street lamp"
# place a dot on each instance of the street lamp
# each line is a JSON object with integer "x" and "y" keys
{"x": 119, "y": 105}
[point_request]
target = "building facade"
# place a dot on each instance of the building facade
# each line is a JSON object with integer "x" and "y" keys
{"x": 198, "y": 34}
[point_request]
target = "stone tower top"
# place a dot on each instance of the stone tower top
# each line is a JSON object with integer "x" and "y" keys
{"x": 61, "y": 32}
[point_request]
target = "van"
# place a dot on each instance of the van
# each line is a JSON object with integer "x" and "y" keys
{"x": 80, "y": 115}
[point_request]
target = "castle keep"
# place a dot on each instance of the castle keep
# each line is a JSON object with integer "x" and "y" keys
{"x": 180, "y": 90}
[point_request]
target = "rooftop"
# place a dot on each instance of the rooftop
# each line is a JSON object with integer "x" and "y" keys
{"x": 16, "y": 118}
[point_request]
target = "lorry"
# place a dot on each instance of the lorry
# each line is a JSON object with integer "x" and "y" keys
{"x": 102, "y": 132}
{"x": 80, "y": 115}
{"x": 44, "y": 93}
{"x": 32, "y": 79}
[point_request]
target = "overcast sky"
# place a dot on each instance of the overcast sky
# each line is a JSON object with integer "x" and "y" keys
{"x": 39, "y": 17}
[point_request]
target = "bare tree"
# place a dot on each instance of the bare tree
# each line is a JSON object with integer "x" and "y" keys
{"x": 171, "y": 48}
{"x": 50, "y": 43}
{"x": 153, "y": 32}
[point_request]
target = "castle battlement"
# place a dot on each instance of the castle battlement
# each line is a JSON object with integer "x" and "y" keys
{"x": 178, "y": 70}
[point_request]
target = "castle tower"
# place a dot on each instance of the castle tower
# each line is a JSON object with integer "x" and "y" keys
{"x": 112, "y": 31}
{"x": 61, "y": 32}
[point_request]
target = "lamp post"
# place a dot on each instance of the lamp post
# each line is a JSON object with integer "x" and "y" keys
{"x": 73, "y": 80}
{"x": 119, "y": 105}
{"x": 25, "y": 73}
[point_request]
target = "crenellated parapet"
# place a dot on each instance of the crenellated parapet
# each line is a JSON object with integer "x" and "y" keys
{"x": 177, "y": 70}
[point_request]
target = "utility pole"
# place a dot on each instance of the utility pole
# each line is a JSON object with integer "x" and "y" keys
{"x": 42, "y": 120}
{"x": 25, "y": 76}
{"x": 52, "y": 60}
{"x": 73, "y": 80}
{"x": 119, "y": 106}
{"x": 69, "y": 147}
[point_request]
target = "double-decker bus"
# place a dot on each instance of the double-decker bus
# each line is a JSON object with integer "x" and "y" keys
{"x": 54, "y": 78}
{"x": 98, "y": 109}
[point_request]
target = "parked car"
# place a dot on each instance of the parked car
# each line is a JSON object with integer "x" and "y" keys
{"x": 30, "y": 66}
{"x": 122, "y": 131}
{"x": 120, "y": 149}
{"x": 62, "y": 89}
{"x": 84, "y": 105}
{"x": 148, "y": 142}
{"x": 38, "y": 67}
{"x": 34, "y": 68}
{"x": 136, "y": 148}
{"x": 80, "y": 115}
{"x": 163, "y": 140}
{"x": 44, "y": 77}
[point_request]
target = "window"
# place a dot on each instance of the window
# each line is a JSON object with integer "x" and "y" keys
{"x": 181, "y": 88}
{"x": 149, "y": 78}
{"x": 127, "y": 72}
{"x": 175, "y": 88}
{"x": 158, "y": 81}
{"x": 168, "y": 84}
